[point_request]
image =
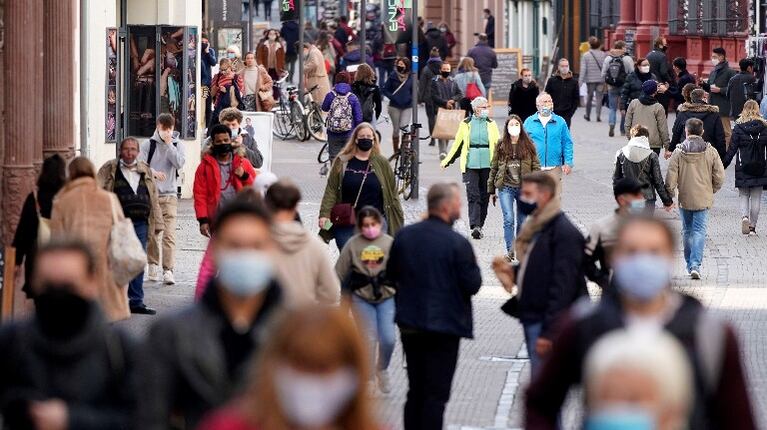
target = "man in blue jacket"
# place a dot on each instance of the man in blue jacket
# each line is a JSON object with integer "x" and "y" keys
{"x": 435, "y": 273}
{"x": 551, "y": 136}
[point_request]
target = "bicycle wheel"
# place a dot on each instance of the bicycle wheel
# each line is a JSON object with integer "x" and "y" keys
{"x": 324, "y": 156}
{"x": 316, "y": 124}
{"x": 298, "y": 121}
{"x": 408, "y": 175}
{"x": 282, "y": 124}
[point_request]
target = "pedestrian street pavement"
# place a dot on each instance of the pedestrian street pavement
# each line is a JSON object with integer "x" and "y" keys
{"x": 493, "y": 368}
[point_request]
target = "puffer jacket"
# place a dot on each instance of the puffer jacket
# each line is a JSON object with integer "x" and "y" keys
{"x": 637, "y": 161}
{"x": 748, "y": 142}
{"x": 648, "y": 112}
{"x": 697, "y": 171}
{"x": 565, "y": 93}
{"x": 591, "y": 67}
{"x": 632, "y": 89}
{"x": 207, "y": 184}
{"x": 713, "y": 130}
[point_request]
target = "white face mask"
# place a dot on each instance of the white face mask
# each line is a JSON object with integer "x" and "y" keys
{"x": 514, "y": 130}
{"x": 715, "y": 61}
{"x": 644, "y": 69}
{"x": 312, "y": 400}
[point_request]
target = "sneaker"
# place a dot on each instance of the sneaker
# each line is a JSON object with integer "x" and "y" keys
{"x": 476, "y": 233}
{"x": 752, "y": 231}
{"x": 154, "y": 273}
{"x": 745, "y": 225}
{"x": 384, "y": 382}
{"x": 694, "y": 274}
{"x": 167, "y": 277}
{"x": 442, "y": 156}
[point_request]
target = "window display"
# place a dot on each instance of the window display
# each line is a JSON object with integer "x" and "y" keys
{"x": 111, "y": 87}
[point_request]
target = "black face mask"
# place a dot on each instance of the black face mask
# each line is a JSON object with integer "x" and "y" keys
{"x": 59, "y": 312}
{"x": 222, "y": 149}
{"x": 445, "y": 74}
{"x": 365, "y": 144}
{"x": 401, "y": 69}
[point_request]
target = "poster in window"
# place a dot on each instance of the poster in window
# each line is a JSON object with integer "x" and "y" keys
{"x": 111, "y": 87}
{"x": 289, "y": 10}
{"x": 228, "y": 37}
{"x": 141, "y": 88}
{"x": 397, "y": 16}
{"x": 190, "y": 92}
{"x": 171, "y": 75}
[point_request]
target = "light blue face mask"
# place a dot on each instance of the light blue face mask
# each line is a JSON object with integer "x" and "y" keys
{"x": 230, "y": 55}
{"x": 637, "y": 207}
{"x": 642, "y": 276}
{"x": 244, "y": 273}
{"x": 545, "y": 111}
{"x": 624, "y": 418}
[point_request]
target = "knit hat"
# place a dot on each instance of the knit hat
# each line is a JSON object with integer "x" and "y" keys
{"x": 649, "y": 87}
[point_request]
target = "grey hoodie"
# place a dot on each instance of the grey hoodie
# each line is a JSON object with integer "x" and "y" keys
{"x": 168, "y": 159}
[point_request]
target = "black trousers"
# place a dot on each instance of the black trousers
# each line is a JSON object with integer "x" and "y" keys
{"x": 477, "y": 195}
{"x": 567, "y": 116}
{"x": 431, "y": 361}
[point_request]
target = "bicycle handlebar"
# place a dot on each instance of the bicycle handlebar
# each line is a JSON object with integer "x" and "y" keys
{"x": 283, "y": 78}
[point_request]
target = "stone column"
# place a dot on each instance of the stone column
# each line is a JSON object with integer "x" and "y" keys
{"x": 627, "y": 19}
{"x": 647, "y": 20}
{"x": 23, "y": 106}
{"x": 59, "y": 78}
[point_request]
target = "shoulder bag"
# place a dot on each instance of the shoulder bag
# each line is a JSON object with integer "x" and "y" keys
{"x": 127, "y": 257}
{"x": 343, "y": 214}
{"x": 43, "y": 225}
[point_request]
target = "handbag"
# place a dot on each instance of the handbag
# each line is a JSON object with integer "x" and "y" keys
{"x": 126, "y": 255}
{"x": 342, "y": 214}
{"x": 43, "y": 226}
{"x": 446, "y": 125}
{"x": 472, "y": 90}
{"x": 511, "y": 307}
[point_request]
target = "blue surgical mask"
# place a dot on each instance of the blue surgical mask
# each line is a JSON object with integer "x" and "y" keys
{"x": 244, "y": 273}
{"x": 627, "y": 417}
{"x": 545, "y": 111}
{"x": 526, "y": 207}
{"x": 642, "y": 276}
{"x": 483, "y": 113}
{"x": 230, "y": 55}
{"x": 637, "y": 207}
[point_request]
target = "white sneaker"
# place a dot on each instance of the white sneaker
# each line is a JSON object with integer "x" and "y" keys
{"x": 745, "y": 225}
{"x": 153, "y": 274}
{"x": 694, "y": 274}
{"x": 384, "y": 382}
{"x": 167, "y": 277}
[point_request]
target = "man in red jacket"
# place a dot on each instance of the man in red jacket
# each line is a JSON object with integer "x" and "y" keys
{"x": 221, "y": 174}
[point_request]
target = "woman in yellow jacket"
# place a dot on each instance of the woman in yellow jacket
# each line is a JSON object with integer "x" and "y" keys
{"x": 475, "y": 145}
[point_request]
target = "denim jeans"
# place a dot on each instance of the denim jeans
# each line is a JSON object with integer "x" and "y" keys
{"x": 379, "y": 329}
{"x": 136, "y": 285}
{"x": 508, "y": 197}
{"x": 693, "y": 236}
{"x": 614, "y": 102}
{"x": 532, "y": 333}
{"x": 342, "y": 234}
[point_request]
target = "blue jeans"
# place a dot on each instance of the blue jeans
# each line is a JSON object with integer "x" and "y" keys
{"x": 508, "y": 197}
{"x": 532, "y": 333}
{"x": 379, "y": 328}
{"x": 613, "y": 98}
{"x": 694, "y": 236}
{"x": 136, "y": 285}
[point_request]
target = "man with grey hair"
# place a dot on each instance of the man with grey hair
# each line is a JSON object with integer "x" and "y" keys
{"x": 551, "y": 136}
{"x": 696, "y": 170}
{"x": 475, "y": 144}
{"x": 433, "y": 267}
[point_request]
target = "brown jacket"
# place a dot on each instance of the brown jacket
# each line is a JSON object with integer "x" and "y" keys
{"x": 264, "y": 83}
{"x": 262, "y": 56}
{"x": 697, "y": 171}
{"x": 82, "y": 210}
{"x": 106, "y": 179}
{"x": 650, "y": 114}
{"x": 316, "y": 74}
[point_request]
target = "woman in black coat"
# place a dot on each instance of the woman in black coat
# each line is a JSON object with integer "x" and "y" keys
{"x": 749, "y": 142}
{"x": 38, "y": 204}
{"x": 632, "y": 88}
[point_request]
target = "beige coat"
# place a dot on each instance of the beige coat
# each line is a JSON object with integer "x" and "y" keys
{"x": 83, "y": 211}
{"x": 314, "y": 68}
{"x": 651, "y": 116}
{"x": 697, "y": 171}
{"x": 106, "y": 180}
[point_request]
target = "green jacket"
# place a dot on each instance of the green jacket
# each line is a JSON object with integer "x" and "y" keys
{"x": 395, "y": 218}
{"x": 462, "y": 142}
{"x": 499, "y": 170}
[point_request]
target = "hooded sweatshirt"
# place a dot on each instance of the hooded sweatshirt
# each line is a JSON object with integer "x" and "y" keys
{"x": 303, "y": 266}
{"x": 697, "y": 171}
{"x": 637, "y": 161}
{"x": 168, "y": 159}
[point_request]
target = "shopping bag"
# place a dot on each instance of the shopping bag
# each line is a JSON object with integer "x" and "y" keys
{"x": 447, "y": 123}
{"x": 127, "y": 257}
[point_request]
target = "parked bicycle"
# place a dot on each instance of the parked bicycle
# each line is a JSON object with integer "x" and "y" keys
{"x": 314, "y": 120}
{"x": 289, "y": 120}
{"x": 406, "y": 161}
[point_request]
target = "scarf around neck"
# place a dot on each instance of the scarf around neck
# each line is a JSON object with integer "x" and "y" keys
{"x": 534, "y": 224}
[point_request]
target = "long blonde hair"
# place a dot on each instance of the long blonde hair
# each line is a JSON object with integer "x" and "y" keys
{"x": 351, "y": 144}
{"x": 750, "y": 113}
{"x": 467, "y": 65}
{"x": 313, "y": 339}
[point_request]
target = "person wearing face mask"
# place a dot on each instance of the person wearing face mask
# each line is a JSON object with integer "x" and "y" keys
{"x": 225, "y": 84}
{"x": 289, "y": 34}
{"x": 198, "y": 359}
{"x": 433, "y": 267}
{"x": 637, "y": 379}
{"x": 315, "y": 73}
{"x": 132, "y": 181}
{"x": 310, "y": 375}
{"x": 659, "y": 66}
{"x": 647, "y": 111}
{"x": 66, "y": 367}
{"x": 444, "y": 94}
{"x": 398, "y": 90}
{"x": 242, "y": 141}
{"x": 615, "y": 70}
{"x": 591, "y": 75}
{"x": 360, "y": 176}
{"x": 738, "y": 87}
{"x": 514, "y": 157}
{"x": 522, "y": 95}
{"x": 362, "y": 269}
{"x": 564, "y": 91}
{"x": 552, "y": 138}
{"x": 632, "y": 88}
{"x": 600, "y": 242}
{"x": 474, "y": 145}
{"x": 550, "y": 274}
{"x": 449, "y": 38}
{"x": 639, "y": 162}
{"x": 271, "y": 54}
{"x": 642, "y": 262}
{"x": 435, "y": 39}
{"x": 469, "y": 82}
{"x": 428, "y": 74}
{"x": 716, "y": 85}
{"x": 344, "y": 113}
{"x": 207, "y": 61}
{"x": 256, "y": 81}
{"x": 234, "y": 55}
{"x": 697, "y": 107}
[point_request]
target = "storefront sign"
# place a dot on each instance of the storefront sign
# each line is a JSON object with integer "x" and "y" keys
{"x": 289, "y": 10}
{"x": 225, "y": 11}
{"x": 397, "y": 17}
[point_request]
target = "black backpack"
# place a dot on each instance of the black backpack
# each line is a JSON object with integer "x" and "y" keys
{"x": 757, "y": 165}
{"x": 152, "y": 149}
{"x": 368, "y": 105}
{"x": 616, "y": 72}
